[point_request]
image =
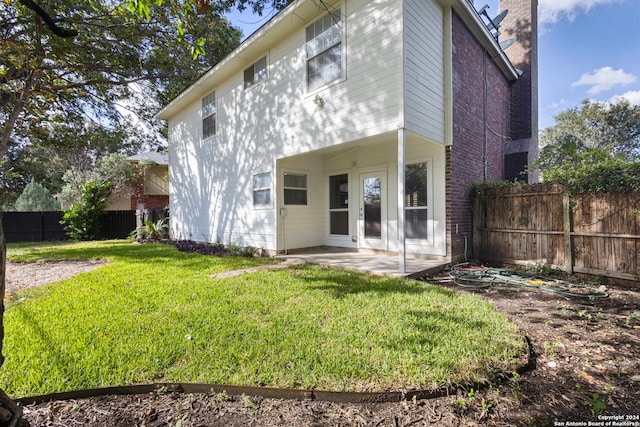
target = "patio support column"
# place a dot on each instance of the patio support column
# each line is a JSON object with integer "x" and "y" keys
{"x": 402, "y": 256}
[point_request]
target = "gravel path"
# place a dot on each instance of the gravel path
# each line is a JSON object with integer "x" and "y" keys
{"x": 23, "y": 275}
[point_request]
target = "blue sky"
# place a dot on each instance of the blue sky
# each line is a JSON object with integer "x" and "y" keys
{"x": 587, "y": 49}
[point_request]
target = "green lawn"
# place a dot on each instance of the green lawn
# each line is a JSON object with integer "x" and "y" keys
{"x": 153, "y": 314}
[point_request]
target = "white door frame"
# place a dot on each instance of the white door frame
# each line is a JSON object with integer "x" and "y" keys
{"x": 373, "y": 237}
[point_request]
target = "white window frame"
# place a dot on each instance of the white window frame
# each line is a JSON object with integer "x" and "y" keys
{"x": 428, "y": 207}
{"x": 285, "y": 188}
{"x": 257, "y": 75}
{"x": 313, "y": 53}
{"x": 340, "y": 209}
{"x": 268, "y": 187}
{"x": 209, "y": 110}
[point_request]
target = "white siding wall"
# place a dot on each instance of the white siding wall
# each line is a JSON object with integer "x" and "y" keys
{"x": 424, "y": 69}
{"x": 211, "y": 180}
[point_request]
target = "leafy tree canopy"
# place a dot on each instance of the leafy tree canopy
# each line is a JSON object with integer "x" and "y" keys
{"x": 88, "y": 59}
{"x": 34, "y": 198}
{"x": 81, "y": 79}
{"x": 612, "y": 127}
{"x": 593, "y": 147}
{"x": 597, "y": 170}
{"x": 112, "y": 168}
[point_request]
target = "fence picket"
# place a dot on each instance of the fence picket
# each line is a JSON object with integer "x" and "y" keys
{"x": 45, "y": 226}
{"x": 596, "y": 234}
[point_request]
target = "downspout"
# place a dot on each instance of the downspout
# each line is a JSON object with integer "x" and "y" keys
{"x": 485, "y": 141}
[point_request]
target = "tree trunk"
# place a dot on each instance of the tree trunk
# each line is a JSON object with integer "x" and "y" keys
{"x": 10, "y": 413}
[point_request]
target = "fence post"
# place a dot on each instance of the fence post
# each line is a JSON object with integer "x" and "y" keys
{"x": 479, "y": 223}
{"x": 568, "y": 247}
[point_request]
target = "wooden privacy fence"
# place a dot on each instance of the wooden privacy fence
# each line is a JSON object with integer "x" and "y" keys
{"x": 595, "y": 234}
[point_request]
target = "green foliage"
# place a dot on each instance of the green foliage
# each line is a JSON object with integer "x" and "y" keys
{"x": 189, "y": 13}
{"x": 112, "y": 167}
{"x": 81, "y": 221}
{"x": 113, "y": 56}
{"x": 74, "y": 186}
{"x": 35, "y": 197}
{"x": 481, "y": 189}
{"x": 304, "y": 327}
{"x": 595, "y": 170}
{"x": 611, "y": 127}
{"x": 244, "y": 251}
{"x": 597, "y": 404}
{"x": 151, "y": 230}
{"x": 593, "y": 148}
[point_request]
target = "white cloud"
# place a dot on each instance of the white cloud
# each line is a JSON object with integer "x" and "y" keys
{"x": 554, "y": 105}
{"x": 551, "y": 11}
{"x": 604, "y": 79}
{"x": 633, "y": 96}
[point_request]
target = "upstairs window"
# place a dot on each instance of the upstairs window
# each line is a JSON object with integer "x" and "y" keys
{"x": 324, "y": 50}
{"x": 209, "y": 115}
{"x": 255, "y": 73}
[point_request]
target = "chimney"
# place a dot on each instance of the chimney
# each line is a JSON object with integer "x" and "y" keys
{"x": 521, "y": 23}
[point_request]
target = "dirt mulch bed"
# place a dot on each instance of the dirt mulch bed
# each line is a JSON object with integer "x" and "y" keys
{"x": 587, "y": 357}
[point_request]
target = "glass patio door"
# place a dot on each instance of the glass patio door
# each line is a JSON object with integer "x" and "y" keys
{"x": 372, "y": 223}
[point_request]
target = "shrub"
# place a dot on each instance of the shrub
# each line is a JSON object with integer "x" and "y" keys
{"x": 81, "y": 221}
{"x": 217, "y": 249}
{"x": 597, "y": 171}
{"x": 152, "y": 230}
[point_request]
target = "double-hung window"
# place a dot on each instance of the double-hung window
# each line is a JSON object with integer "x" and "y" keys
{"x": 415, "y": 202}
{"x": 295, "y": 189}
{"x": 262, "y": 190}
{"x": 255, "y": 73}
{"x": 324, "y": 50}
{"x": 209, "y": 115}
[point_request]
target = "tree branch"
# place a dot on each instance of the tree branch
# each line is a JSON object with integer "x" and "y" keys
{"x": 58, "y": 31}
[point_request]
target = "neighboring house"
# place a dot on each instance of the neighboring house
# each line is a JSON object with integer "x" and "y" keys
{"x": 300, "y": 137}
{"x": 153, "y": 189}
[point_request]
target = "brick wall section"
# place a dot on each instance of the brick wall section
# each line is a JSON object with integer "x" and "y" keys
{"x": 465, "y": 156}
{"x": 150, "y": 202}
{"x": 521, "y": 23}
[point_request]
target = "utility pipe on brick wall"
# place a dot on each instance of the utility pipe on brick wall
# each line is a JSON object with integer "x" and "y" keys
{"x": 484, "y": 115}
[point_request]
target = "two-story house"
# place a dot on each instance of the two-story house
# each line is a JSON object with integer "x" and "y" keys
{"x": 356, "y": 124}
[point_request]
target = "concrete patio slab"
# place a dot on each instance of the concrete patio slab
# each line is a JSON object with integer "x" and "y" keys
{"x": 369, "y": 262}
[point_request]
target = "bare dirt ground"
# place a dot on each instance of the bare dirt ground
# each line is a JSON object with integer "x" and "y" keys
{"x": 587, "y": 369}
